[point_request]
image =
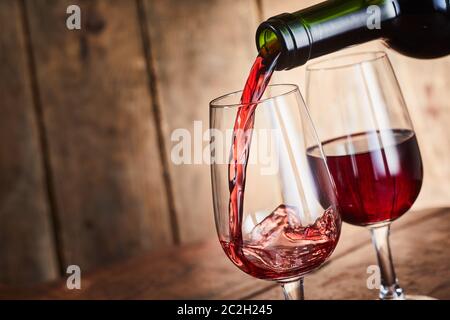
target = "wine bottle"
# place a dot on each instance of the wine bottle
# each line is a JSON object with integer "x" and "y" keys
{"x": 416, "y": 28}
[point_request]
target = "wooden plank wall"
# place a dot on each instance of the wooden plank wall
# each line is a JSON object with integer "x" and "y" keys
{"x": 106, "y": 172}
{"x": 96, "y": 171}
{"x": 86, "y": 175}
{"x": 27, "y": 249}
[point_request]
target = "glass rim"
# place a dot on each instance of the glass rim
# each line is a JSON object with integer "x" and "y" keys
{"x": 372, "y": 56}
{"x": 215, "y": 103}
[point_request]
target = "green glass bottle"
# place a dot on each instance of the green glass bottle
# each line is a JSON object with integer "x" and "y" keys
{"x": 416, "y": 28}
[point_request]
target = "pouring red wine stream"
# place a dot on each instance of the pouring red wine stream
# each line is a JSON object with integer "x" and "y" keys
{"x": 255, "y": 86}
{"x": 279, "y": 247}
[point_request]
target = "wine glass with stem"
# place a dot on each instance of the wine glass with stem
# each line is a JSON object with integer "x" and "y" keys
{"x": 370, "y": 147}
{"x": 282, "y": 230}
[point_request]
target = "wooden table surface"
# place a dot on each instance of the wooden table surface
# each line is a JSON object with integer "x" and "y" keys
{"x": 420, "y": 243}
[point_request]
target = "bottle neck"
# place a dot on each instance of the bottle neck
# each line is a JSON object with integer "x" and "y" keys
{"x": 324, "y": 28}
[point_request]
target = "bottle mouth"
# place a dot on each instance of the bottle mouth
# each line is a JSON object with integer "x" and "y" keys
{"x": 284, "y": 34}
{"x": 270, "y": 40}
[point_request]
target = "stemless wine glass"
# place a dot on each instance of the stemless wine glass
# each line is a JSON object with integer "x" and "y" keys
{"x": 284, "y": 230}
{"x": 370, "y": 147}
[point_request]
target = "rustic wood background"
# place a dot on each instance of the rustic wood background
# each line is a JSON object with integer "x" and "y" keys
{"x": 87, "y": 116}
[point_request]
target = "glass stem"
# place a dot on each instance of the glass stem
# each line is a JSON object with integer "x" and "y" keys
{"x": 293, "y": 290}
{"x": 389, "y": 288}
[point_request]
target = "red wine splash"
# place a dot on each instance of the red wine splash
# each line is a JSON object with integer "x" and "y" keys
{"x": 280, "y": 248}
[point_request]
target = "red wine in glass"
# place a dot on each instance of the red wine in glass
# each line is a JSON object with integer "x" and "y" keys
{"x": 378, "y": 174}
